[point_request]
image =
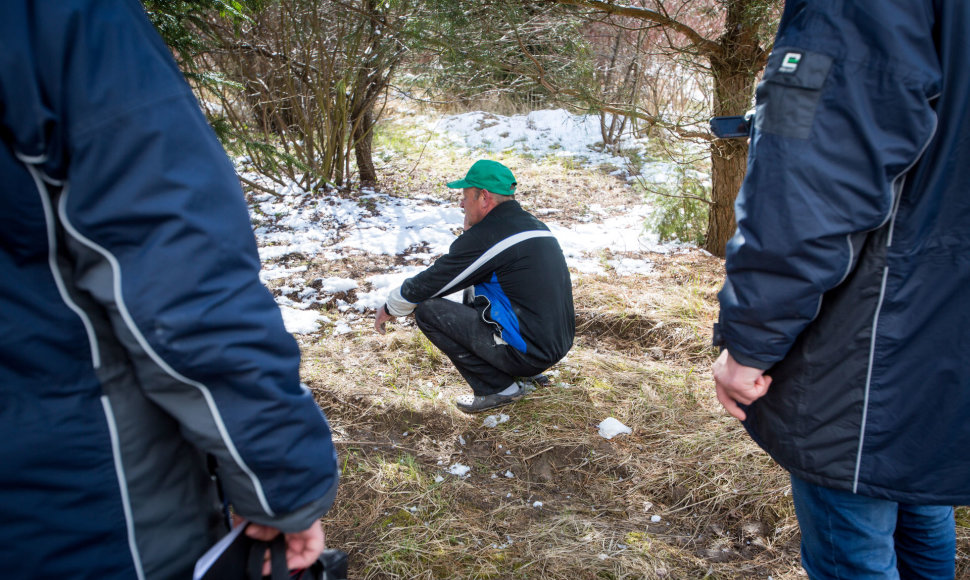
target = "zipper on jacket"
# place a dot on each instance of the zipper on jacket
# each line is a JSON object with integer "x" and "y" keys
{"x": 898, "y": 183}
{"x": 47, "y": 202}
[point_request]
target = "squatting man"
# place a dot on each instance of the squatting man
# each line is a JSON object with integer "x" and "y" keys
{"x": 516, "y": 316}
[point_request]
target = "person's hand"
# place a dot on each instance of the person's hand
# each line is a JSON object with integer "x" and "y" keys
{"x": 380, "y": 319}
{"x": 737, "y": 383}
{"x": 302, "y": 548}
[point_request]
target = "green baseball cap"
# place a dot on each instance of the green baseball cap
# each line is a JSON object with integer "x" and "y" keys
{"x": 488, "y": 175}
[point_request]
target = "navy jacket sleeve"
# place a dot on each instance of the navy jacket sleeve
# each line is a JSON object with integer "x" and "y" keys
{"x": 159, "y": 232}
{"x": 844, "y": 110}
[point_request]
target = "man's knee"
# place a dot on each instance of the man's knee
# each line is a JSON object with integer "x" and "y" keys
{"x": 426, "y": 314}
{"x": 441, "y": 316}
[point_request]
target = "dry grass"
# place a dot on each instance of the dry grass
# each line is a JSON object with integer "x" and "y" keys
{"x": 642, "y": 355}
{"x": 722, "y": 505}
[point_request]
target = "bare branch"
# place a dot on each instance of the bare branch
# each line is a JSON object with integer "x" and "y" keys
{"x": 255, "y": 185}
{"x": 704, "y": 45}
{"x": 673, "y": 196}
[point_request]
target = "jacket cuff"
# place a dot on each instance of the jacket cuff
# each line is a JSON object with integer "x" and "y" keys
{"x": 717, "y": 339}
{"x": 302, "y": 518}
{"x": 396, "y": 305}
{"x": 748, "y": 361}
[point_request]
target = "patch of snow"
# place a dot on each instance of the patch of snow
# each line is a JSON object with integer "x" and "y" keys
{"x": 540, "y": 133}
{"x": 334, "y": 285}
{"x": 342, "y": 328}
{"x": 300, "y": 321}
{"x": 270, "y": 272}
{"x": 459, "y": 470}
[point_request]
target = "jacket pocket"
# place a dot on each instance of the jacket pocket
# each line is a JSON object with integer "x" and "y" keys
{"x": 788, "y": 95}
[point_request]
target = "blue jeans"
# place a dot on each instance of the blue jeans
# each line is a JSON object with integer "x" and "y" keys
{"x": 846, "y": 536}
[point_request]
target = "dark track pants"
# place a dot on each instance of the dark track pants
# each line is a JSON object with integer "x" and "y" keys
{"x": 469, "y": 342}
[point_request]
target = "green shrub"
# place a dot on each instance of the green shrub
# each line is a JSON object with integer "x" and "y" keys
{"x": 681, "y": 206}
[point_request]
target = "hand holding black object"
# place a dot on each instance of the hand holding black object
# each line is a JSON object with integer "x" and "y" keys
{"x": 302, "y": 548}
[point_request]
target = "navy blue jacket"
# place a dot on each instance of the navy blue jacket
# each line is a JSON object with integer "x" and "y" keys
{"x": 135, "y": 337}
{"x": 849, "y": 276}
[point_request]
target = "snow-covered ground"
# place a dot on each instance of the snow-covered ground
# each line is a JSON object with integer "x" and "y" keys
{"x": 555, "y": 132}
{"x": 330, "y": 228}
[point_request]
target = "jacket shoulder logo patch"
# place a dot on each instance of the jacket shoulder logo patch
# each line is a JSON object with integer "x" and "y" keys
{"x": 789, "y": 64}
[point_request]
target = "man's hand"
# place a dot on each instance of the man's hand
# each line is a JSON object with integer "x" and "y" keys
{"x": 737, "y": 383}
{"x": 302, "y": 548}
{"x": 380, "y": 319}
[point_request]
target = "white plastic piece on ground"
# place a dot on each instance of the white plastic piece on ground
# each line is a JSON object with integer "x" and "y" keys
{"x": 610, "y": 428}
{"x": 495, "y": 420}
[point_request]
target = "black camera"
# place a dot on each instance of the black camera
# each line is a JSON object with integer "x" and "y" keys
{"x": 732, "y": 127}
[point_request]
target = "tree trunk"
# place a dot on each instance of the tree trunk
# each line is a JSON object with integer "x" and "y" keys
{"x": 363, "y": 139}
{"x": 728, "y": 161}
{"x": 733, "y": 88}
{"x": 728, "y": 167}
{"x": 735, "y": 70}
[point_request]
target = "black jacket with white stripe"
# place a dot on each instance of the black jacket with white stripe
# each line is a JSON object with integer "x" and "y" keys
{"x": 514, "y": 262}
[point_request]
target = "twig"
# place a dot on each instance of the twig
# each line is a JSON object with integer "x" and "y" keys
{"x": 539, "y": 453}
